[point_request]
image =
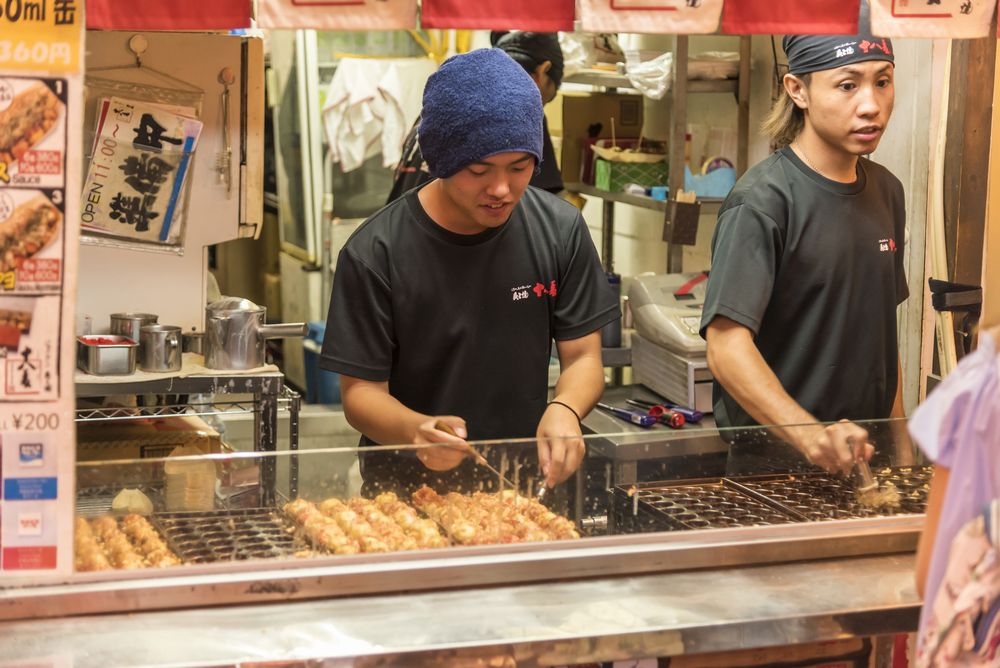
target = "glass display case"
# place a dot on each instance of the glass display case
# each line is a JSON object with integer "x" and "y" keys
{"x": 349, "y": 520}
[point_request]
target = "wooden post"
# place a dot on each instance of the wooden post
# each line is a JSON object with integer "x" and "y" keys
{"x": 966, "y": 177}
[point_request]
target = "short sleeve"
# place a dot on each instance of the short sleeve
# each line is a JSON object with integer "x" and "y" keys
{"x": 585, "y": 301}
{"x": 745, "y": 254}
{"x": 359, "y": 329}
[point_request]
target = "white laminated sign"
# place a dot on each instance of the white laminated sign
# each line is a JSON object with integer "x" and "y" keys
{"x": 687, "y": 17}
{"x": 40, "y": 163}
{"x": 338, "y": 14}
{"x": 946, "y": 19}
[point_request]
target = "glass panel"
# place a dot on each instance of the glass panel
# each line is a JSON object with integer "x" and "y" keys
{"x": 339, "y": 501}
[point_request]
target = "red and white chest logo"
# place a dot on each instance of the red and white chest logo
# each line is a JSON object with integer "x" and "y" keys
{"x": 887, "y": 245}
{"x": 539, "y": 289}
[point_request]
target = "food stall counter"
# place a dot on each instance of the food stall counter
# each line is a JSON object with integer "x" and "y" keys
{"x": 676, "y": 567}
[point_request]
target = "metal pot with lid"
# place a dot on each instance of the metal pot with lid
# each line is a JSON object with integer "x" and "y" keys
{"x": 235, "y": 331}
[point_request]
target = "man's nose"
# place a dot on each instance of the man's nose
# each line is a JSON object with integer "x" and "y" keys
{"x": 499, "y": 187}
{"x": 868, "y": 101}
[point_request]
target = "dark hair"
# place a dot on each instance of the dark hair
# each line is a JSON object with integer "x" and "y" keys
{"x": 531, "y": 49}
{"x": 785, "y": 120}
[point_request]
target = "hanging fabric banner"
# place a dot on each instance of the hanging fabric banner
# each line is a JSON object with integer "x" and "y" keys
{"x": 790, "y": 17}
{"x": 683, "y": 17}
{"x": 173, "y": 15}
{"x": 546, "y": 16}
{"x": 338, "y": 14}
{"x": 948, "y": 19}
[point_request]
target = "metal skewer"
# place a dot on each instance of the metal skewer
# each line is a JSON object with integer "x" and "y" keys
{"x": 477, "y": 457}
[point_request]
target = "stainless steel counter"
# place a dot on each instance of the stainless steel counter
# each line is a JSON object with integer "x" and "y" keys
{"x": 666, "y": 614}
{"x": 627, "y": 445}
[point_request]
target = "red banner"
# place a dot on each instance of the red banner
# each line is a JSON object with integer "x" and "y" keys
{"x": 790, "y": 17}
{"x": 545, "y": 16}
{"x": 173, "y": 15}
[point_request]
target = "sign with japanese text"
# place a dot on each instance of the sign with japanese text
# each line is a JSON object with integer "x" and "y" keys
{"x": 40, "y": 35}
{"x": 338, "y": 14}
{"x": 946, "y": 19}
{"x": 40, "y": 135}
{"x": 138, "y": 170}
{"x": 689, "y": 17}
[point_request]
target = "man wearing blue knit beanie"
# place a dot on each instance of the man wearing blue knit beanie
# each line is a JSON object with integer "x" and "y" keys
{"x": 446, "y": 302}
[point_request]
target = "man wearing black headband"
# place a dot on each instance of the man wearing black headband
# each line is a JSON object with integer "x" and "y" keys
{"x": 541, "y": 56}
{"x": 807, "y": 260}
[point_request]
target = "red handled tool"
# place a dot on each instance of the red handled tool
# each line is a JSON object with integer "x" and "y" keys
{"x": 690, "y": 415}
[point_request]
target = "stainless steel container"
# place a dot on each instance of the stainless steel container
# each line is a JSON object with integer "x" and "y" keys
{"x": 235, "y": 333}
{"x": 130, "y": 324}
{"x": 160, "y": 348}
{"x": 106, "y": 355}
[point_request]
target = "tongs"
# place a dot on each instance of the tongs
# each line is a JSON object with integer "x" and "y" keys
{"x": 476, "y": 456}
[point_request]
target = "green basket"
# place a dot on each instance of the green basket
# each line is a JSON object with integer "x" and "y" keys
{"x": 614, "y": 176}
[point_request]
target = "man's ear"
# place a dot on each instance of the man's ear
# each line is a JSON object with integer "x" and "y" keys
{"x": 540, "y": 69}
{"x": 797, "y": 89}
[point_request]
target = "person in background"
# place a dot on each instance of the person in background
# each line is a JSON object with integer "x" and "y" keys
{"x": 541, "y": 57}
{"x": 958, "y": 428}
{"x": 446, "y": 302}
{"x": 807, "y": 260}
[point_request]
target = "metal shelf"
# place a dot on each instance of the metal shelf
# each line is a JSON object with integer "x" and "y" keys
{"x": 614, "y": 80}
{"x": 203, "y": 409}
{"x": 224, "y": 383}
{"x": 708, "y": 204}
{"x": 268, "y": 391}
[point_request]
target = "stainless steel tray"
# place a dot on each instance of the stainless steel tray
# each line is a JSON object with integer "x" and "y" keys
{"x": 756, "y": 501}
{"x": 199, "y": 537}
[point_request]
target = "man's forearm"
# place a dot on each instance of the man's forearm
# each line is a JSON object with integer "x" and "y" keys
{"x": 581, "y": 383}
{"x": 370, "y": 409}
{"x": 738, "y": 366}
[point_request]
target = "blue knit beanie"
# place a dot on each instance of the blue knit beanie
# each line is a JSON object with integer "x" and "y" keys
{"x": 477, "y": 105}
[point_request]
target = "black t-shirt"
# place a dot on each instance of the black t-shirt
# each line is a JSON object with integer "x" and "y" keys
{"x": 814, "y": 268}
{"x": 411, "y": 171}
{"x": 463, "y": 324}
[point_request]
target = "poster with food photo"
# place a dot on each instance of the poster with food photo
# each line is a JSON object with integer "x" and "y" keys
{"x": 31, "y": 232}
{"x": 32, "y": 132}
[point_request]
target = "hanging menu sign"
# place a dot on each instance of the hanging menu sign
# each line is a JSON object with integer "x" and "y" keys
{"x": 40, "y": 142}
{"x": 650, "y": 16}
{"x": 946, "y": 19}
{"x": 338, "y": 14}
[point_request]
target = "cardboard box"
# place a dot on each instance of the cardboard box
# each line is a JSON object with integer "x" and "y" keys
{"x": 586, "y": 117}
{"x": 614, "y": 176}
{"x": 137, "y": 440}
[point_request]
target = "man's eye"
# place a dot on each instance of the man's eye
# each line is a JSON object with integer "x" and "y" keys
{"x": 847, "y": 86}
{"x": 518, "y": 169}
{"x": 475, "y": 173}
{"x": 882, "y": 83}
